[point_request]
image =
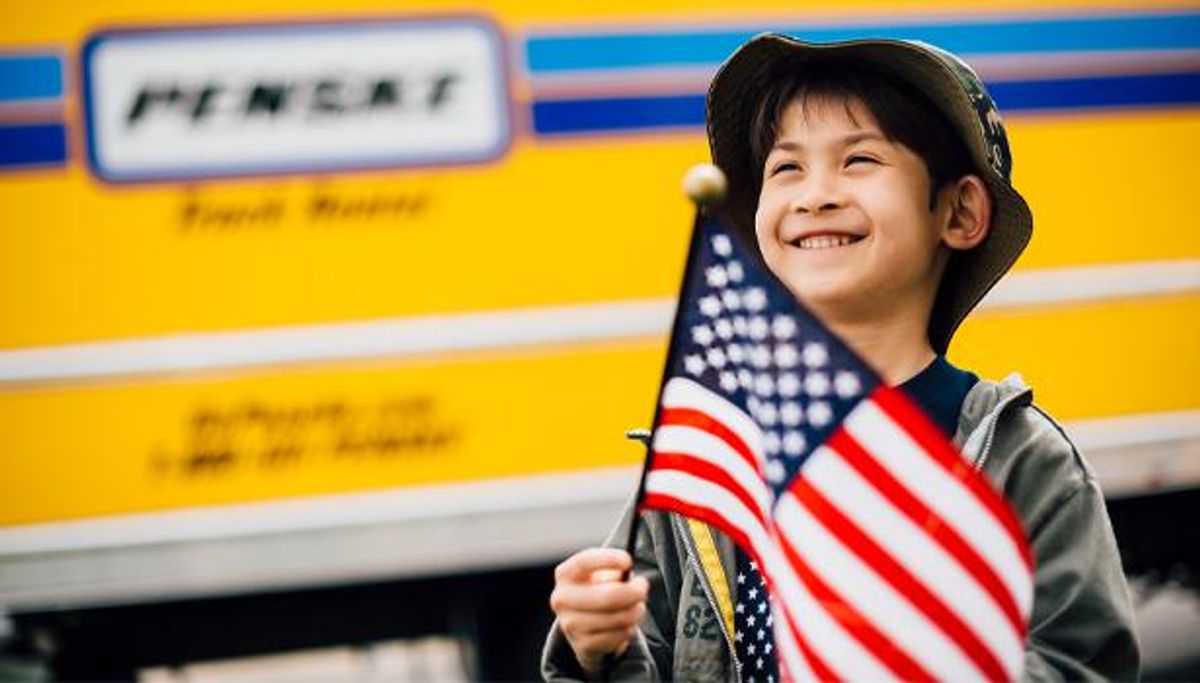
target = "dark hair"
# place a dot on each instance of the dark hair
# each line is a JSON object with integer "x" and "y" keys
{"x": 904, "y": 114}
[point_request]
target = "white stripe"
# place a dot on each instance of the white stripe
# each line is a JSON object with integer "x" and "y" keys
{"x": 883, "y": 607}
{"x": 338, "y": 341}
{"x": 682, "y": 392}
{"x": 843, "y": 654}
{"x": 957, "y": 506}
{"x": 913, "y": 549}
{"x": 513, "y": 328}
{"x": 1094, "y": 283}
{"x": 711, "y": 449}
{"x": 297, "y": 543}
{"x": 785, "y": 643}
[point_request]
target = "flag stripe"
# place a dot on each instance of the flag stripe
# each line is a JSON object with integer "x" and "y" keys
{"x": 681, "y": 392}
{"x": 906, "y": 586}
{"x": 856, "y": 624}
{"x": 792, "y": 660}
{"x": 930, "y": 523}
{"x": 688, "y": 463}
{"x": 909, "y": 463}
{"x": 912, "y": 546}
{"x": 673, "y": 438}
{"x": 918, "y": 425}
{"x": 691, "y": 417}
{"x": 682, "y": 492}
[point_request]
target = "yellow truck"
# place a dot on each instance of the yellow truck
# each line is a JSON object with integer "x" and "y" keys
{"x": 329, "y": 318}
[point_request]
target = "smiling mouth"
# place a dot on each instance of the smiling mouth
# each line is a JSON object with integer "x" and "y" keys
{"x": 825, "y": 241}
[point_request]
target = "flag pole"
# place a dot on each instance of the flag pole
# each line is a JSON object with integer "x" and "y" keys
{"x": 705, "y": 185}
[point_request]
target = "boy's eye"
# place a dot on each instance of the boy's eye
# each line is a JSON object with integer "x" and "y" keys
{"x": 784, "y": 166}
{"x": 860, "y": 158}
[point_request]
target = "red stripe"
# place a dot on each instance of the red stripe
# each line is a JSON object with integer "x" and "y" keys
{"x": 924, "y": 432}
{"x": 930, "y": 522}
{"x": 709, "y": 472}
{"x": 907, "y": 585}
{"x": 859, "y": 626}
{"x": 670, "y": 503}
{"x": 690, "y": 417}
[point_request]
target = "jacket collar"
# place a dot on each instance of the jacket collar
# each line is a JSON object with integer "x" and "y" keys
{"x": 982, "y": 409}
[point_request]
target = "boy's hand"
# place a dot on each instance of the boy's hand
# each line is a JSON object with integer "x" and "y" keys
{"x": 597, "y": 611}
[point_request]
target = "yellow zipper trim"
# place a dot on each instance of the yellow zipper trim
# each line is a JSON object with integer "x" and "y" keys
{"x": 710, "y": 562}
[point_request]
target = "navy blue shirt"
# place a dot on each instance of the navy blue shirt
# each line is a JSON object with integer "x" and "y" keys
{"x": 940, "y": 390}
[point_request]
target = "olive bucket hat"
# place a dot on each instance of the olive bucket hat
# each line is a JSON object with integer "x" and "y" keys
{"x": 945, "y": 80}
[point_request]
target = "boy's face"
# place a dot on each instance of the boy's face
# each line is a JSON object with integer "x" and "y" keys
{"x": 843, "y": 217}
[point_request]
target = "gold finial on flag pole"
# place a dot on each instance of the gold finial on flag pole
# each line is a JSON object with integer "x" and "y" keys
{"x": 705, "y": 184}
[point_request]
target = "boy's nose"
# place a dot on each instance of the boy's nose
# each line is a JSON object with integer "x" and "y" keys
{"x": 817, "y": 194}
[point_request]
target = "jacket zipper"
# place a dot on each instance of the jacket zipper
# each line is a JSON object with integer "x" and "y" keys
{"x": 990, "y": 436}
{"x": 709, "y": 593}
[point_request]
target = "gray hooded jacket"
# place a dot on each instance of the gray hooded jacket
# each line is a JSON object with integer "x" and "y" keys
{"x": 1082, "y": 622}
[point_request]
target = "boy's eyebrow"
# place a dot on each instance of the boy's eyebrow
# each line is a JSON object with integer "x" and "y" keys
{"x": 853, "y": 138}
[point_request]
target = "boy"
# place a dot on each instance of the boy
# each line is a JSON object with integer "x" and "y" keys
{"x": 875, "y": 178}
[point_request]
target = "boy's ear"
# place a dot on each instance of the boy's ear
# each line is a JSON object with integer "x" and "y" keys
{"x": 970, "y": 213}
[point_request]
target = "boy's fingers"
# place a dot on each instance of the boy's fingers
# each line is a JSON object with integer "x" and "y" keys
{"x": 599, "y": 623}
{"x": 603, "y": 597}
{"x": 580, "y": 566}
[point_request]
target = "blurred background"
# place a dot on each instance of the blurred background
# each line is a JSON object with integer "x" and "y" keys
{"x": 322, "y": 322}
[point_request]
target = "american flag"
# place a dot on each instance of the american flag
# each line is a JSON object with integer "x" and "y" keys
{"x": 886, "y": 555}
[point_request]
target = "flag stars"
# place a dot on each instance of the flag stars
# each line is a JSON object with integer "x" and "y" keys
{"x": 776, "y": 473}
{"x": 772, "y": 443}
{"x": 745, "y": 379}
{"x": 716, "y": 358}
{"x": 789, "y": 385}
{"x": 731, "y": 300}
{"x": 739, "y": 325}
{"x": 694, "y": 365}
{"x": 786, "y": 356}
{"x": 734, "y": 271}
{"x": 760, "y": 357}
{"x": 794, "y": 443}
{"x": 815, "y": 354}
{"x": 754, "y": 299}
{"x": 758, "y": 328}
{"x": 783, "y": 327}
{"x": 716, "y": 277}
{"x": 722, "y": 245}
{"x": 816, "y": 384}
{"x": 723, "y": 327}
{"x": 736, "y": 354}
{"x": 790, "y": 413}
{"x": 846, "y": 384}
{"x": 764, "y": 386}
{"x": 819, "y": 413}
{"x": 710, "y": 306}
{"x": 702, "y": 335}
{"x": 729, "y": 382}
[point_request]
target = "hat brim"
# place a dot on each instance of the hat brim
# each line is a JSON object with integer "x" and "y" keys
{"x": 738, "y": 87}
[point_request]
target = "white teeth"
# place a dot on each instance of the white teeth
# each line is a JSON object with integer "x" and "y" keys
{"x": 825, "y": 241}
